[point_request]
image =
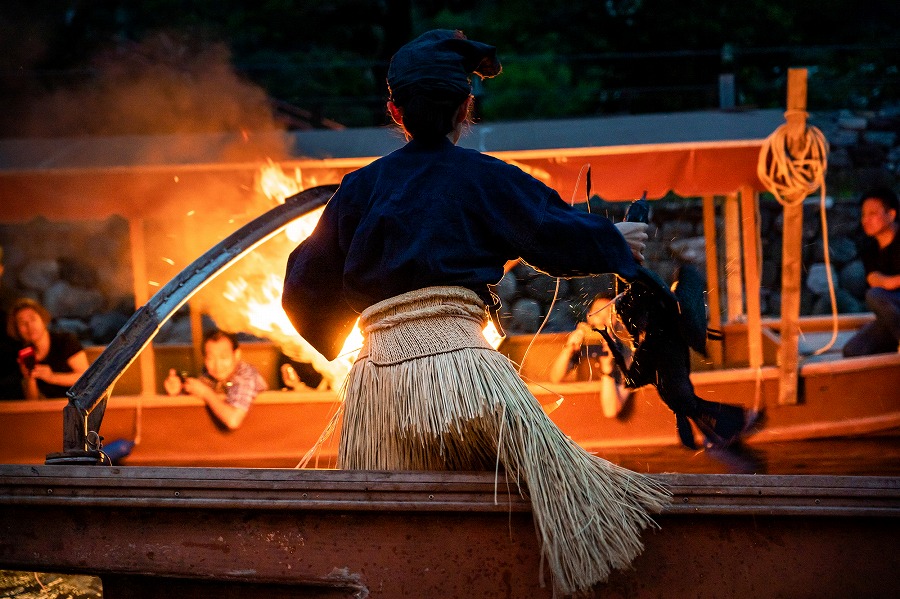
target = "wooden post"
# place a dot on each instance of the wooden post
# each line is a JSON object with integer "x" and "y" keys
{"x": 714, "y": 349}
{"x": 750, "y": 234}
{"x": 733, "y": 286}
{"x": 147, "y": 359}
{"x": 194, "y": 248}
{"x": 792, "y": 239}
{"x": 196, "y": 317}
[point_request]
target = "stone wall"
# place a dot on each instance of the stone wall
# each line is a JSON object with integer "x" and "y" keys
{"x": 80, "y": 271}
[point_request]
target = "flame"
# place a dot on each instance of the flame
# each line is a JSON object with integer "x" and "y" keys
{"x": 255, "y": 299}
{"x": 276, "y": 185}
{"x": 259, "y": 302}
{"x": 492, "y": 335}
{"x": 352, "y": 344}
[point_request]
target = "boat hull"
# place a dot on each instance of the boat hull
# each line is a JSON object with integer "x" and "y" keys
{"x": 321, "y": 533}
{"x": 847, "y": 398}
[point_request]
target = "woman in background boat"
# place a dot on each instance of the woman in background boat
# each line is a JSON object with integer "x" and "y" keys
{"x": 50, "y": 362}
{"x": 413, "y": 241}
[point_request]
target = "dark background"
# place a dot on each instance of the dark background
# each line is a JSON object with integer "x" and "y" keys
{"x": 314, "y": 64}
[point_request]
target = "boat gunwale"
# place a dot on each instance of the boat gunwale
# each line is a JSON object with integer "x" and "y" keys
{"x": 416, "y": 491}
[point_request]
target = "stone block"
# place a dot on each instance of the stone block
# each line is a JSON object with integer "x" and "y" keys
{"x": 817, "y": 278}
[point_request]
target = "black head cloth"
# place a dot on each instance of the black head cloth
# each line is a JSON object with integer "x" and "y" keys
{"x": 438, "y": 63}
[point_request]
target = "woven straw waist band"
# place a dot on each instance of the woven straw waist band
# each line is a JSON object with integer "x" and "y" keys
{"x": 422, "y": 323}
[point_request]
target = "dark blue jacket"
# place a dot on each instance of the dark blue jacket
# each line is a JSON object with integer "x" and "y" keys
{"x": 436, "y": 215}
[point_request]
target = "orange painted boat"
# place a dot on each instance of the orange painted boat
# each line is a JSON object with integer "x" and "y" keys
{"x": 837, "y": 397}
{"x": 841, "y": 398}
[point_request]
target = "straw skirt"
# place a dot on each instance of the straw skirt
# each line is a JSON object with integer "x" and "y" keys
{"x": 428, "y": 392}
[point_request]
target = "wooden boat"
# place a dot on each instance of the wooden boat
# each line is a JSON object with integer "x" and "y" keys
{"x": 846, "y": 397}
{"x": 151, "y": 530}
{"x": 255, "y": 533}
{"x": 837, "y": 397}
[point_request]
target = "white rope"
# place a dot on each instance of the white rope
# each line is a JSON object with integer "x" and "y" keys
{"x": 793, "y": 177}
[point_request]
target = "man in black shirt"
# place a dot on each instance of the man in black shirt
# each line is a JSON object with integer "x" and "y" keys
{"x": 881, "y": 258}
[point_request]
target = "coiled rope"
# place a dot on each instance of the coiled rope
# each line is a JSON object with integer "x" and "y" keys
{"x": 791, "y": 177}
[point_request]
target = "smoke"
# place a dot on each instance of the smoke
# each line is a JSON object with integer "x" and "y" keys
{"x": 166, "y": 83}
{"x": 208, "y": 116}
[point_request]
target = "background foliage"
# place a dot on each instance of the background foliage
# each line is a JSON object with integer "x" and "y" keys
{"x": 561, "y": 59}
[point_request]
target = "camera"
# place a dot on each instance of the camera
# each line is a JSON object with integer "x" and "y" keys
{"x": 27, "y": 358}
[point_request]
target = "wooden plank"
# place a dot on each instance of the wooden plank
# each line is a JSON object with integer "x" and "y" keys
{"x": 858, "y": 366}
{"x": 196, "y": 318}
{"x": 431, "y": 534}
{"x": 791, "y": 270}
{"x": 423, "y": 491}
{"x": 733, "y": 285}
{"x": 751, "y": 251}
{"x": 714, "y": 348}
{"x": 146, "y": 359}
{"x": 792, "y": 252}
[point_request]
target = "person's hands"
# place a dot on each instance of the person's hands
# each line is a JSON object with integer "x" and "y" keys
{"x": 26, "y": 372}
{"x": 41, "y": 372}
{"x": 635, "y": 235}
{"x": 172, "y": 384}
{"x": 575, "y": 339}
{"x": 193, "y": 386}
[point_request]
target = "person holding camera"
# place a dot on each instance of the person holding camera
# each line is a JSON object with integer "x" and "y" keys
{"x": 227, "y": 385}
{"x": 50, "y": 362}
{"x": 586, "y": 357}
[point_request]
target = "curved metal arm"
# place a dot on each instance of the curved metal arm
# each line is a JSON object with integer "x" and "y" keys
{"x": 87, "y": 397}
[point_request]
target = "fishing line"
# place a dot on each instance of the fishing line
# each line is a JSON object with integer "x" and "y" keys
{"x": 556, "y": 289}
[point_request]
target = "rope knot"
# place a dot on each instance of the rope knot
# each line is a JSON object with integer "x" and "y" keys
{"x": 793, "y": 166}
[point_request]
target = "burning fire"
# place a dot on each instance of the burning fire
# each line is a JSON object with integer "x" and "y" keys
{"x": 259, "y": 298}
{"x": 277, "y": 186}
{"x": 261, "y": 305}
{"x": 492, "y": 335}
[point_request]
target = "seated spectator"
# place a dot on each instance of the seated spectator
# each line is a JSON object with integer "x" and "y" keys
{"x": 50, "y": 362}
{"x": 600, "y": 365}
{"x": 880, "y": 253}
{"x": 227, "y": 385}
